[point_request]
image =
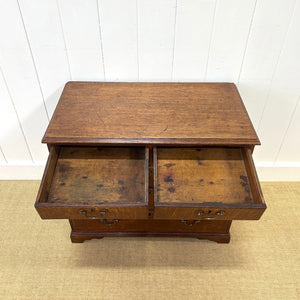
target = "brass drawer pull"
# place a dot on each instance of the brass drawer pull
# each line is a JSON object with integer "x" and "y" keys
{"x": 102, "y": 212}
{"x": 104, "y": 221}
{"x": 190, "y": 223}
{"x": 207, "y": 216}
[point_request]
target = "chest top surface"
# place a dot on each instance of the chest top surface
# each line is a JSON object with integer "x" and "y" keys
{"x": 150, "y": 113}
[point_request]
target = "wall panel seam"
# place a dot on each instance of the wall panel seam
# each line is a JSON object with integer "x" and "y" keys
{"x": 101, "y": 41}
{"x": 64, "y": 39}
{"x": 33, "y": 60}
{"x": 210, "y": 39}
{"x": 247, "y": 42}
{"x": 276, "y": 67}
{"x": 174, "y": 40}
{"x": 15, "y": 110}
{"x": 287, "y": 129}
{"x": 137, "y": 39}
{"x": 3, "y": 154}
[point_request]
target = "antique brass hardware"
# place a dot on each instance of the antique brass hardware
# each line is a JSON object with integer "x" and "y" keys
{"x": 104, "y": 221}
{"x": 208, "y": 216}
{"x": 102, "y": 212}
{"x": 190, "y": 223}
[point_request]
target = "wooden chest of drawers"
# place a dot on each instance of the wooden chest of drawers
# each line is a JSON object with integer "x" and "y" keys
{"x": 150, "y": 159}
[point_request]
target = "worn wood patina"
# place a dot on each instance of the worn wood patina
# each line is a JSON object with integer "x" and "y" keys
{"x": 150, "y": 159}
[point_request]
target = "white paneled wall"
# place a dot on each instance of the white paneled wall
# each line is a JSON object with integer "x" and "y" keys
{"x": 229, "y": 36}
{"x": 80, "y": 26}
{"x": 254, "y": 43}
{"x": 192, "y": 46}
{"x": 156, "y": 35}
{"x": 118, "y": 25}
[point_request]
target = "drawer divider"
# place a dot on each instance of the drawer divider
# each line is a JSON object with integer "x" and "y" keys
{"x": 151, "y": 180}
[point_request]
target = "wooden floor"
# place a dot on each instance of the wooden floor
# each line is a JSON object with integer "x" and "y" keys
{"x": 38, "y": 261}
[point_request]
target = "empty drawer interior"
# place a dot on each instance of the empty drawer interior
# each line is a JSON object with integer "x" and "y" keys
{"x": 96, "y": 176}
{"x": 214, "y": 176}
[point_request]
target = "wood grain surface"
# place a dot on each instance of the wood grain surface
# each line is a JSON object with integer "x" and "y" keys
{"x": 98, "y": 175}
{"x": 150, "y": 113}
{"x": 151, "y": 226}
{"x": 217, "y": 231}
{"x": 202, "y": 175}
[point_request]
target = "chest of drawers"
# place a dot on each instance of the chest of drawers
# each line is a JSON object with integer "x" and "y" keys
{"x": 150, "y": 159}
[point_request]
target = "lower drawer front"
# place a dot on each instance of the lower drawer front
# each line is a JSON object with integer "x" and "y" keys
{"x": 170, "y": 226}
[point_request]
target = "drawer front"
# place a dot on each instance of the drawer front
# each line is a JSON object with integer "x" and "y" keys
{"x": 94, "y": 183}
{"x": 208, "y": 213}
{"x": 148, "y": 226}
{"x": 206, "y": 184}
{"x": 91, "y": 213}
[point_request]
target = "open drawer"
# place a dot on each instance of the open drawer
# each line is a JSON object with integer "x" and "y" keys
{"x": 94, "y": 183}
{"x": 206, "y": 184}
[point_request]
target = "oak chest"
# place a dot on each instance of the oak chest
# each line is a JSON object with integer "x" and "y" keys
{"x": 150, "y": 159}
